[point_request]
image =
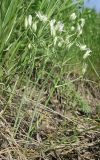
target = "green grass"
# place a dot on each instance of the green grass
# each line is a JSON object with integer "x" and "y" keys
{"x": 40, "y": 67}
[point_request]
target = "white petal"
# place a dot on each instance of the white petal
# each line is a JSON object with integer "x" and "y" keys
{"x": 82, "y": 46}
{"x": 26, "y": 22}
{"x": 30, "y": 20}
{"x": 82, "y": 22}
{"x": 60, "y": 26}
{"x": 87, "y": 53}
{"x": 42, "y": 17}
{"x": 73, "y": 16}
{"x": 52, "y": 27}
{"x": 34, "y": 26}
{"x": 29, "y": 46}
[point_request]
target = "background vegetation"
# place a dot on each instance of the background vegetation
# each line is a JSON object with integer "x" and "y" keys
{"x": 46, "y": 85}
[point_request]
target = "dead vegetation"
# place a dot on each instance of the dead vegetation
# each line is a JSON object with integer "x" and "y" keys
{"x": 59, "y": 130}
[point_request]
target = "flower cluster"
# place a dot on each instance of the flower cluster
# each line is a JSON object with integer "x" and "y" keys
{"x": 84, "y": 48}
{"x": 58, "y": 32}
{"x": 54, "y": 27}
{"x": 80, "y": 25}
{"x": 85, "y": 55}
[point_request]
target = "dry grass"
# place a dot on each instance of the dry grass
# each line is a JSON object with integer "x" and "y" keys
{"x": 56, "y": 132}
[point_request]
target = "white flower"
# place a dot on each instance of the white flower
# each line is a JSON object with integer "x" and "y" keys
{"x": 88, "y": 51}
{"x": 34, "y": 26}
{"x": 52, "y": 27}
{"x": 29, "y": 46}
{"x": 30, "y": 20}
{"x": 72, "y": 28}
{"x": 82, "y": 47}
{"x": 82, "y": 22}
{"x": 79, "y": 29}
{"x": 84, "y": 68}
{"x": 73, "y": 16}
{"x": 41, "y": 17}
{"x": 26, "y": 22}
{"x": 60, "y": 26}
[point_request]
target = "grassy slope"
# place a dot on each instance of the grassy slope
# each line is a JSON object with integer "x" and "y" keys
{"x": 42, "y": 90}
